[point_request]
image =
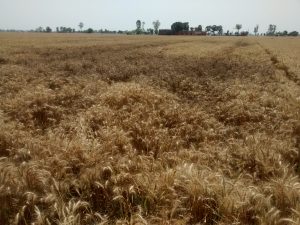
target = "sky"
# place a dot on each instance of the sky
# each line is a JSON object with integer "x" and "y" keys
{"x": 122, "y": 14}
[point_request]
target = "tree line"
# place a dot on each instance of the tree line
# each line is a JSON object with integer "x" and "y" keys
{"x": 63, "y": 29}
{"x": 182, "y": 27}
{"x": 176, "y": 28}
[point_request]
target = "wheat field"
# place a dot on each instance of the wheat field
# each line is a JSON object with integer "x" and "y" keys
{"x": 149, "y": 130}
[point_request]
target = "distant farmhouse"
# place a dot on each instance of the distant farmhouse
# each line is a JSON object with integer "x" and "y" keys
{"x": 170, "y": 32}
{"x": 191, "y": 33}
{"x": 179, "y": 28}
{"x": 165, "y": 32}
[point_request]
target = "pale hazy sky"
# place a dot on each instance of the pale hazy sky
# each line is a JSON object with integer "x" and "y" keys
{"x": 122, "y": 14}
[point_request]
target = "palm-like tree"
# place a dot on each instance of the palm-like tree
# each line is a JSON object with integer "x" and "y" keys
{"x": 81, "y": 25}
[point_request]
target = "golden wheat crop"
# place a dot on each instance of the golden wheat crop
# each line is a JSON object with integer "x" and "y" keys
{"x": 149, "y": 130}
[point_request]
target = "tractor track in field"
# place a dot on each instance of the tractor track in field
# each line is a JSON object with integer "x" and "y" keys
{"x": 279, "y": 65}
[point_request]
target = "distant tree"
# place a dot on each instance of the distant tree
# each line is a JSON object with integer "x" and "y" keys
{"x": 48, "y": 30}
{"x": 150, "y": 31}
{"x": 238, "y": 27}
{"x": 208, "y": 29}
{"x": 220, "y": 30}
{"x": 244, "y": 33}
{"x": 271, "y": 30}
{"x": 214, "y": 28}
{"x": 293, "y": 33}
{"x": 199, "y": 28}
{"x": 80, "y": 25}
{"x": 90, "y": 30}
{"x": 156, "y": 25}
{"x": 138, "y": 27}
{"x": 143, "y": 26}
{"x": 177, "y": 27}
{"x": 186, "y": 26}
{"x": 192, "y": 29}
{"x": 256, "y": 29}
{"x": 39, "y": 29}
{"x": 65, "y": 30}
{"x": 285, "y": 33}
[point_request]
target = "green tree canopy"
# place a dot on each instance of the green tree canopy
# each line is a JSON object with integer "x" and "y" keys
{"x": 179, "y": 26}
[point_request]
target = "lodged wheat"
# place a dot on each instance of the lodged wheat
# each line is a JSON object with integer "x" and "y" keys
{"x": 148, "y": 130}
